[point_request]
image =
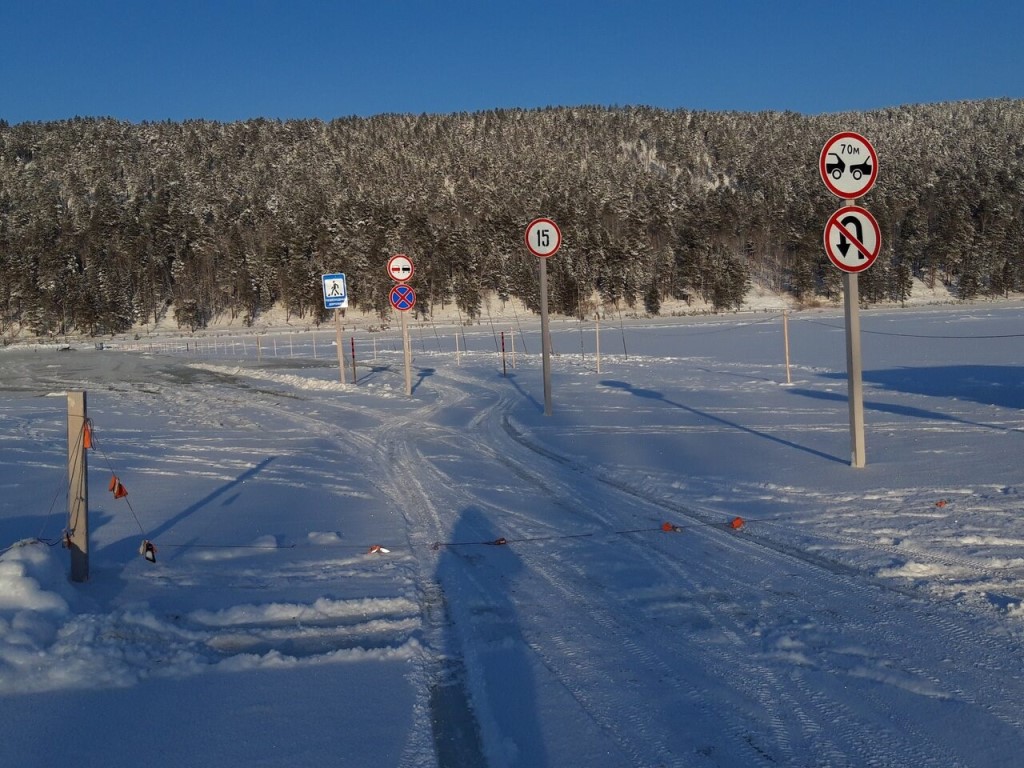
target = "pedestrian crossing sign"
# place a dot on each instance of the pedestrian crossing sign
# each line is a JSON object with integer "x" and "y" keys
{"x": 335, "y": 292}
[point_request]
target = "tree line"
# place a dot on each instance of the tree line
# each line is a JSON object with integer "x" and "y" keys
{"x": 105, "y": 224}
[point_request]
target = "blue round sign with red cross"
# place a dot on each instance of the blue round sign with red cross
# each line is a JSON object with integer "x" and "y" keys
{"x": 403, "y": 298}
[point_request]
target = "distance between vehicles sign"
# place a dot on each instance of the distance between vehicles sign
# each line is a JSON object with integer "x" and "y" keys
{"x": 848, "y": 165}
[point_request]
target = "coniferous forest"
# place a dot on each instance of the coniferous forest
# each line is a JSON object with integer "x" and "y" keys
{"x": 105, "y": 224}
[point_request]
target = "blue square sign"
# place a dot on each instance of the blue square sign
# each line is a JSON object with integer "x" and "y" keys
{"x": 335, "y": 291}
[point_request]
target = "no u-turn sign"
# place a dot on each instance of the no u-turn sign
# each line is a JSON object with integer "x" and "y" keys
{"x": 852, "y": 239}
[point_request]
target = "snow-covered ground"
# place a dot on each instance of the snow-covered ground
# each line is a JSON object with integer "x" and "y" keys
{"x": 531, "y": 609}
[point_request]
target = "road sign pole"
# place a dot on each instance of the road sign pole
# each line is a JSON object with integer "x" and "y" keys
{"x": 848, "y": 165}
{"x": 340, "y": 345}
{"x": 545, "y": 339}
{"x": 854, "y": 377}
{"x": 543, "y": 239}
{"x": 407, "y": 350}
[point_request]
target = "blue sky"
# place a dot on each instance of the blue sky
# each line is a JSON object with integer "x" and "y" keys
{"x": 231, "y": 60}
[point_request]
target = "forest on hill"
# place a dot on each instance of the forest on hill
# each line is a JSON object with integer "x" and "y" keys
{"x": 105, "y": 224}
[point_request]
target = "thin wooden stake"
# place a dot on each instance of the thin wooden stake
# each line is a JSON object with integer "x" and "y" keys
{"x": 78, "y": 488}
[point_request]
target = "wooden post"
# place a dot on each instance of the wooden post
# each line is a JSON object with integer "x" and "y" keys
{"x": 78, "y": 488}
{"x": 340, "y": 344}
{"x": 785, "y": 340}
{"x": 597, "y": 339}
{"x": 352, "y": 341}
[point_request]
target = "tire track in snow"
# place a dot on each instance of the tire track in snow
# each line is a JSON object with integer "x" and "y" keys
{"x": 627, "y": 725}
{"x": 842, "y": 584}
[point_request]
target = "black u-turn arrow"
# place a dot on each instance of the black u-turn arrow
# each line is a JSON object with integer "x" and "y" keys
{"x": 844, "y": 244}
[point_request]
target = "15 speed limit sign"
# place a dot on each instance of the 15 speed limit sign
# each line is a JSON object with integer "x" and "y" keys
{"x": 543, "y": 238}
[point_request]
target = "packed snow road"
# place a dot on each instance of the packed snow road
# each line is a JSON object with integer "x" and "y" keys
{"x": 566, "y": 590}
{"x": 594, "y": 637}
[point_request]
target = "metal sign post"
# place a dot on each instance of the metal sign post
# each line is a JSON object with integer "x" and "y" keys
{"x": 848, "y": 166}
{"x": 407, "y": 354}
{"x": 854, "y": 369}
{"x": 543, "y": 239}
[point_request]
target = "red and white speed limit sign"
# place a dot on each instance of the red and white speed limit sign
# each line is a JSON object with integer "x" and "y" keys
{"x": 543, "y": 237}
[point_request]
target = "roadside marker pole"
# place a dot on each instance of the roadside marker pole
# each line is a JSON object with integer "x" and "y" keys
{"x": 352, "y": 340}
{"x": 785, "y": 341}
{"x": 78, "y": 488}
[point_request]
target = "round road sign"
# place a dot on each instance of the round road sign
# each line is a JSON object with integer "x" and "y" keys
{"x": 848, "y": 165}
{"x": 543, "y": 238}
{"x": 403, "y": 297}
{"x": 400, "y": 268}
{"x": 852, "y": 239}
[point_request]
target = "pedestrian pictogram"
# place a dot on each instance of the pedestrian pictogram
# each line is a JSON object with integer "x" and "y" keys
{"x": 848, "y": 165}
{"x": 852, "y": 239}
{"x": 400, "y": 268}
{"x": 403, "y": 298}
{"x": 335, "y": 291}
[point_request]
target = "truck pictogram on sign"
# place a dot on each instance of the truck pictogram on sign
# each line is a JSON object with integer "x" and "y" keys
{"x": 848, "y": 165}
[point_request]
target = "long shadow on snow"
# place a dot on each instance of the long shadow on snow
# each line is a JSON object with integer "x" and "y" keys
{"x": 126, "y": 548}
{"x": 999, "y": 385}
{"x": 899, "y": 410}
{"x": 421, "y": 376}
{"x": 487, "y": 654}
{"x": 654, "y": 395}
{"x": 515, "y": 383}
